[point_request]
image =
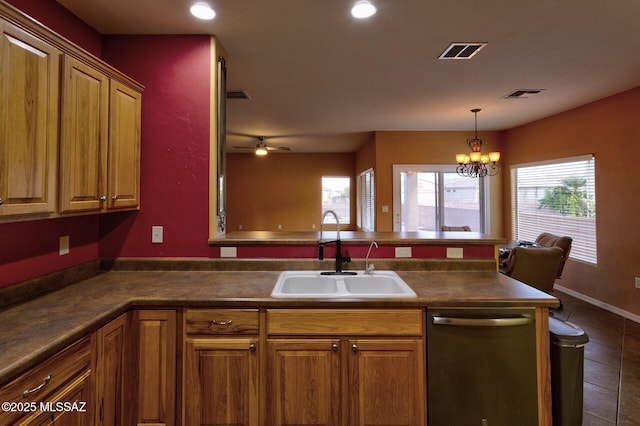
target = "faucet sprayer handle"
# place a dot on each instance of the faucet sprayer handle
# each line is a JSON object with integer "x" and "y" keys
{"x": 320, "y": 251}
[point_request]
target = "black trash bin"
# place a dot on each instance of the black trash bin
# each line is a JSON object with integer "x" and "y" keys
{"x": 567, "y": 371}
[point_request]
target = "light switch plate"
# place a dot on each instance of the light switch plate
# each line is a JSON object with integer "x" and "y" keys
{"x": 64, "y": 245}
{"x": 157, "y": 234}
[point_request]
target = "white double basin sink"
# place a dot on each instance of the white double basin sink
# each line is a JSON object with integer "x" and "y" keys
{"x": 313, "y": 284}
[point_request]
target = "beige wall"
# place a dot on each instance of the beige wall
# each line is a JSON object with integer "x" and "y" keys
{"x": 414, "y": 147}
{"x": 282, "y": 189}
{"x": 610, "y": 129}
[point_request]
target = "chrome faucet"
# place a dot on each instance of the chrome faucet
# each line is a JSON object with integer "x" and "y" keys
{"x": 340, "y": 259}
{"x": 369, "y": 268}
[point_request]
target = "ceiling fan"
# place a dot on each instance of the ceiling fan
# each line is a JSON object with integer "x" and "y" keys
{"x": 261, "y": 148}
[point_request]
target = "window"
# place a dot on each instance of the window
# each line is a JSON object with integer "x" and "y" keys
{"x": 557, "y": 197}
{"x": 336, "y": 196}
{"x": 366, "y": 201}
{"x": 427, "y": 197}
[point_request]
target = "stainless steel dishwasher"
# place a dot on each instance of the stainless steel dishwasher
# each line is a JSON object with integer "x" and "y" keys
{"x": 481, "y": 367}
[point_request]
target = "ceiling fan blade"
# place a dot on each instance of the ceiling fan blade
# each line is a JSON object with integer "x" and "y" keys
{"x": 278, "y": 148}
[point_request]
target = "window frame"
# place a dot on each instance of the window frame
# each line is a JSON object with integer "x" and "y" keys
{"x": 484, "y": 193}
{"x": 330, "y": 219}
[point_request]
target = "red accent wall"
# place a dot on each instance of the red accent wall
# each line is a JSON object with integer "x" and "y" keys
{"x": 174, "y": 181}
{"x": 30, "y": 249}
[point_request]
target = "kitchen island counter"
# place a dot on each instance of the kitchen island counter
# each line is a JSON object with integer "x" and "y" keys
{"x": 34, "y": 330}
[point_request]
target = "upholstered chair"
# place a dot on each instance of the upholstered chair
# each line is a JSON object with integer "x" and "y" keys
{"x": 549, "y": 240}
{"x": 535, "y": 266}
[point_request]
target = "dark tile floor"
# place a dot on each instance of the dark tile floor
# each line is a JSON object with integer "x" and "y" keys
{"x": 611, "y": 365}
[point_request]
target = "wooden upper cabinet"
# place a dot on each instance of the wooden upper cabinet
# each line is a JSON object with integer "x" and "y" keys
{"x": 29, "y": 84}
{"x": 69, "y": 126}
{"x": 84, "y": 136}
{"x": 124, "y": 147}
{"x": 100, "y": 141}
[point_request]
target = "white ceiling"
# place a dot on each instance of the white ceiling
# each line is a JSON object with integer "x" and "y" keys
{"x": 317, "y": 75}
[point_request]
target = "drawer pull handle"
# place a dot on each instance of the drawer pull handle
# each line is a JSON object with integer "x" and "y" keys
{"x": 222, "y": 323}
{"x": 334, "y": 347}
{"x": 252, "y": 347}
{"x": 37, "y": 388}
{"x": 354, "y": 348}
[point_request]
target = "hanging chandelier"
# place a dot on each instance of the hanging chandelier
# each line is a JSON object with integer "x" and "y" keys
{"x": 477, "y": 164}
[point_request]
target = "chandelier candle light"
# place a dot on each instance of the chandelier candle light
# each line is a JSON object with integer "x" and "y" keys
{"x": 476, "y": 164}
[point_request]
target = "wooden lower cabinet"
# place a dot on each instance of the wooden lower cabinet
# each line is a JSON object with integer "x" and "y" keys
{"x": 304, "y": 382}
{"x": 386, "y": 382}
{"x": 221, "y": 381}
{"x": 59, "y": 390}
{"x": 111, "y": 374}
{"x": 152, "y": 381}
{"x": 329, "y": 367}
{"x": 221, "y": 367}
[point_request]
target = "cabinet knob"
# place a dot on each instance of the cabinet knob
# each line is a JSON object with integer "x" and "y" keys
{"x": 334, "y": 347}
{"x": 252, "y": 347}
{"x": 1, "y": 201}
{"x": 114, "y": 198}
{"x": 354, "y": 348}
{"x": 103, "y": 198}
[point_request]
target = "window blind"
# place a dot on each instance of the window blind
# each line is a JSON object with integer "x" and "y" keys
{"x": 557, "y": 197}
{"x": 366, "y": 201}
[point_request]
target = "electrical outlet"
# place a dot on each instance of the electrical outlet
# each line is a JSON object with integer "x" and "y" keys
{"x": 403, "y": 251}
{"x": 637, "y": 282}
{"x": 64, "y": 246}
{"x": 454, "y": 253}
{"x": 156, "y": 234}
{"x": 228, "y": 252}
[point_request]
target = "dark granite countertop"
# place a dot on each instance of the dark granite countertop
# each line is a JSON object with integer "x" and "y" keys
{"x": 34, "y": 330}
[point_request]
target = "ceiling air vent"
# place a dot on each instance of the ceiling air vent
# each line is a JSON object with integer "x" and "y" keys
{"x": 461, "y": 50}
{"x": 237, "y": 94}
{"x": 523, "y": 93}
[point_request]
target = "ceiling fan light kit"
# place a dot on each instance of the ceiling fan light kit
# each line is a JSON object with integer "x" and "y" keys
{"x": 261, "y": 148}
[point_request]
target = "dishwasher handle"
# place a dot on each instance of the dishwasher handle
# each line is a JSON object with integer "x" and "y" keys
{"x": 483, "y": 322}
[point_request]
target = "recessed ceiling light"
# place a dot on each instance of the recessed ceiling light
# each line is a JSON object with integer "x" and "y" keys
{"x": 202, "y": 10}
{"x": 363, "y": 9}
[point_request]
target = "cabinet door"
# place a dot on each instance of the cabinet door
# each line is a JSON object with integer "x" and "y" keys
{"x": 83, "y": 140}
{"x": 110, "y": 372}
{"x": 30, "y": 72}
{"x": 221, "y": 381}
{"x": 124, "y": 147}
{"x": 303, "y": 382}
{"x": 387, "y": 382}
{"x": 153, "y": 384}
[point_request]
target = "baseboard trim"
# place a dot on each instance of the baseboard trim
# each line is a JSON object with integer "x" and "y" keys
{"x": 598, "y": 303}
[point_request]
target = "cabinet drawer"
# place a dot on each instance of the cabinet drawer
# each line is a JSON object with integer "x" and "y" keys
{"x": 333, "y": 322}
{"x": 222, "y": 321}
{"x": 39, "y": 383}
